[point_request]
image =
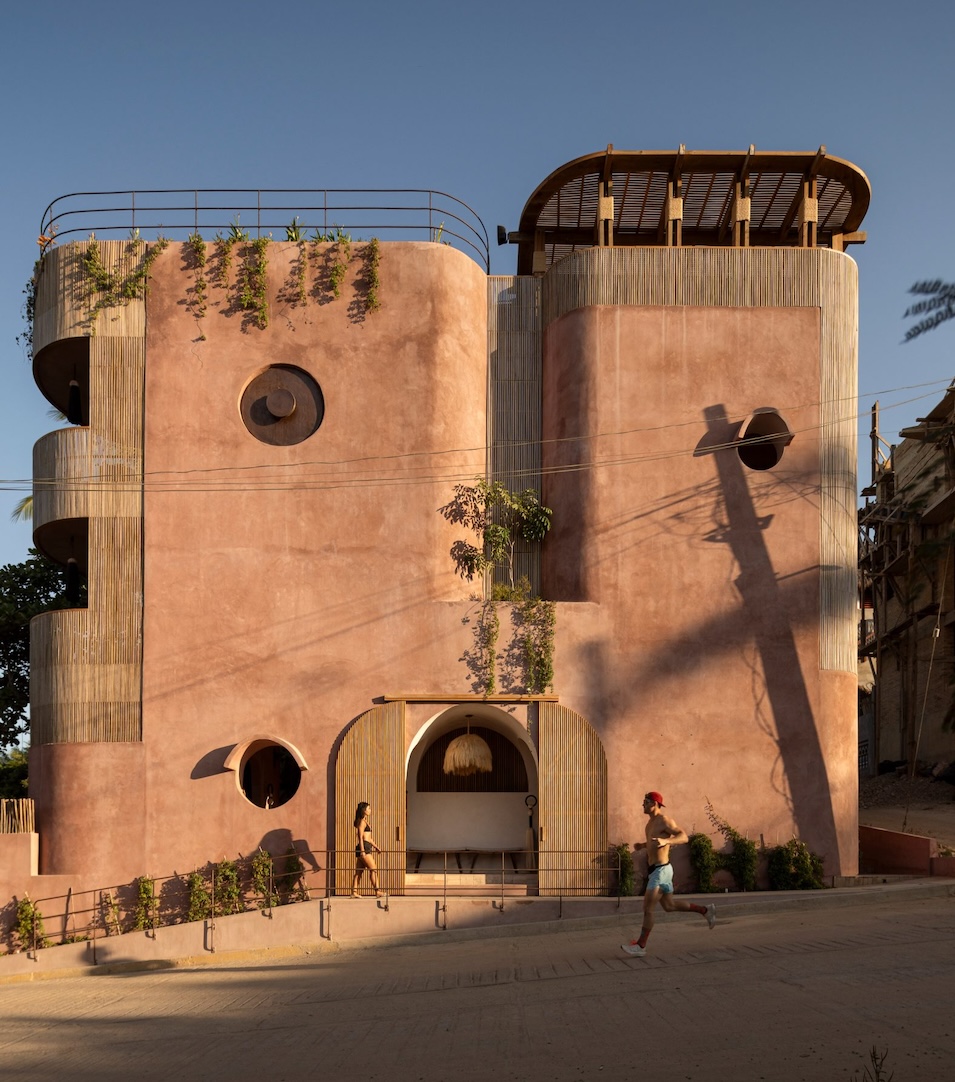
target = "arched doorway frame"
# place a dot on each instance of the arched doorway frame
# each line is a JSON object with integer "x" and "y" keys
{"x": 450, "y": 830}
{"x": 570, "y": 765}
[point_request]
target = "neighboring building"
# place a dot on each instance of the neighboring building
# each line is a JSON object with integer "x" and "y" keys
{"x": 907, "y": 527}
{"x": 275, "y": 627}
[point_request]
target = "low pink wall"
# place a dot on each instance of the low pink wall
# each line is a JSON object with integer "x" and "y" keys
{"x": 943, "y": 866}
{"x": 887, "y": 852}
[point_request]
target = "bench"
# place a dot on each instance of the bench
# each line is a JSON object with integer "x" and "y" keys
{"x": 467, "y": 851}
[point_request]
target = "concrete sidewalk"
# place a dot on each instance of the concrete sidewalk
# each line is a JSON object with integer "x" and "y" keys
{"x": 783, "y": 989}
{"x": 341, "y": 923}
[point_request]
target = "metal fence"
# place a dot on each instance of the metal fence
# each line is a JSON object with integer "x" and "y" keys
{"x": 263, "y": 883}
{"x": 283, "y": 213}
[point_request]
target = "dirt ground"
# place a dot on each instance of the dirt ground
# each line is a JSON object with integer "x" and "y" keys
{"x": 912, "y": 805}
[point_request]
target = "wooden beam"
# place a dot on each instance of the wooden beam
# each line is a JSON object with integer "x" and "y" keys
{"x": 800, "y": 195}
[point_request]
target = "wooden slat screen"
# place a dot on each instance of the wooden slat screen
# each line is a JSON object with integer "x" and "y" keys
{"x": 16, "y": 816}
{"x": 514, "y": 409}
{"x": 86, "y": 664}
{"x": 370, "y": 766}
{"x": 574, "y": 856}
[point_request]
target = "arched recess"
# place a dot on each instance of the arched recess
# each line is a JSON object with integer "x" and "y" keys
{"x": 370, "y": 765}
{"x": 484, "y": 813}
{"x": 574, "y": 856}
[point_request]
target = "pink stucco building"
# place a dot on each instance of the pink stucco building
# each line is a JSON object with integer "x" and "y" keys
{"x": 276, "y": 629}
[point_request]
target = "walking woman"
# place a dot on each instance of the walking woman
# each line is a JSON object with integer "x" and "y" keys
{"x": 364, "y": 848}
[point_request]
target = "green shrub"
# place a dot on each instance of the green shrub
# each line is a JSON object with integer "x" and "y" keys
{"x": 743, "y": 859}
{"x": 263, "y": 879}
{"x": 28, "y": 928}
{"x": 626, "y": 880}
{"x": 793, "y": 867}
{"x": 146, "y": 903}
{"x": 705, "y": 861}
{"x": 228, "y": 895}
{"x": 200, "y": 900}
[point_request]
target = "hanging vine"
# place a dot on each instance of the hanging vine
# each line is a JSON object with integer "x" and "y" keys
{"x": 373, "y": 281}
{"x": 539, "y": 620}
{"x": 488, "y": 629}
{"x": 110, "y": 289}
{"x": 197, "y": 246}
{"x": 253, "y": 282}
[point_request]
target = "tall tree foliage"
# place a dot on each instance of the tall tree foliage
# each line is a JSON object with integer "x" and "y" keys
{"x": 26, "y": 589}
{"x": 937, "y": 306}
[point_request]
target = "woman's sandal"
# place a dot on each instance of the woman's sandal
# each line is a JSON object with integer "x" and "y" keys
{"x": 354, "y": 895}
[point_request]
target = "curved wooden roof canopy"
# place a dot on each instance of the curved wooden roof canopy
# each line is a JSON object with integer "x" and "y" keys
{"x": 692, "y": 197}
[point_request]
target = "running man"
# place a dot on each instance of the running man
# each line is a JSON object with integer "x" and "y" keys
{"x": 662, "y": 832}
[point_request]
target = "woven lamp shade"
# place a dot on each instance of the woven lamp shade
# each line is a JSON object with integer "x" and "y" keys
{"x": 467, "y": 754}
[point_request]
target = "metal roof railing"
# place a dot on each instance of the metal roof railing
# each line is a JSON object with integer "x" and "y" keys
{"x": 307, "y": 213}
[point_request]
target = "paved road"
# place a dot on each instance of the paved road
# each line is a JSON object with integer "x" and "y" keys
{"x": 781, "y": 997}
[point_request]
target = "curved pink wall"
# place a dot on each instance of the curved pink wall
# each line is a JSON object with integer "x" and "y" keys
{"x": 286, "y": 587}
{"x": 90, "y": 809}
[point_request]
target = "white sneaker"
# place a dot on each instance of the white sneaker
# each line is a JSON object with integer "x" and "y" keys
{"x": 711, "y": 916}
{"x": 632, "y": 948}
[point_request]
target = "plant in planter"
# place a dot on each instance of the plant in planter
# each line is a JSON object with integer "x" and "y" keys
{"x": 227, "y": 892}
{"x": 705, "y": 861}
{"x": 743, "y": 859}
{"x": 263, "y": 879}
{"x": 626, "y": 878}
{"x": 500, "y": 518}
{"x": 28, "y": 931}
{"x": 147, "y": 904}
{"x": 794, "y": 867}
{"x": 199, "y": 906}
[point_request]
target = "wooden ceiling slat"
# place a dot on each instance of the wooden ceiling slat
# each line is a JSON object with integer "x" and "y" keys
{"x": 566, "y": 204}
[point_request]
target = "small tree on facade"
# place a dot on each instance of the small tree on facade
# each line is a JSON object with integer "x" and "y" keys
{"x": 500, "y": 519}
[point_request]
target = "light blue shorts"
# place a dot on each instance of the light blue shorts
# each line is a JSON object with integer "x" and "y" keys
{"x": 661, "y": 878}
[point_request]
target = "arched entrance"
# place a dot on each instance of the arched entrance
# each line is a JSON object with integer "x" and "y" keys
{"x": 564, "y": 764}
{"x": 482, "y": 813}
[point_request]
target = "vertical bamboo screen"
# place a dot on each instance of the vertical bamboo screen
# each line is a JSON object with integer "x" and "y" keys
{"x": 514, "y": 397}
{"x": 65, "y": 301}
{"x": 86, "y": 664}
{"x": 758, "y": 277}
{"x": 371, "y": 766}
{"x": 574, "y": 855}
{"x": 16, "y": 816}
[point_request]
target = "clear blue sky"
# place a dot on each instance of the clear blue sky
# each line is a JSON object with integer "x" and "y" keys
{"x": 482, "y": 101}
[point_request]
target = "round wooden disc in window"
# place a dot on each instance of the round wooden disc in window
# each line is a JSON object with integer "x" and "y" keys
{"x": 283, "y": 405}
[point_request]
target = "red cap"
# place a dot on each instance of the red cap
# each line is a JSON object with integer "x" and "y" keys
{"x": 656, "y": 798}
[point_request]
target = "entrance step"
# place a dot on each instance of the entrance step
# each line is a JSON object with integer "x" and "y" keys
{"x": 473, "y": 884}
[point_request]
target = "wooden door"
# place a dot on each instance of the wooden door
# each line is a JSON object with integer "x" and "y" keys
{"x": 371, "y": 766}
{"x": 574, "y": 857}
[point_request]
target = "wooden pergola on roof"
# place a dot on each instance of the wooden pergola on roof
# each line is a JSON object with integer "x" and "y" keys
{"x": 749, "y": 198}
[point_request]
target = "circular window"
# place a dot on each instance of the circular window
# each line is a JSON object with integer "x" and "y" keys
{"x": 282, "y": 405}
{"x": 763, "y": 437}
{"x": 267, "y": 773}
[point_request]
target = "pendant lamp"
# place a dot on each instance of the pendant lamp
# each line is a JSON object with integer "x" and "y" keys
{"x": 467, "y": 754}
